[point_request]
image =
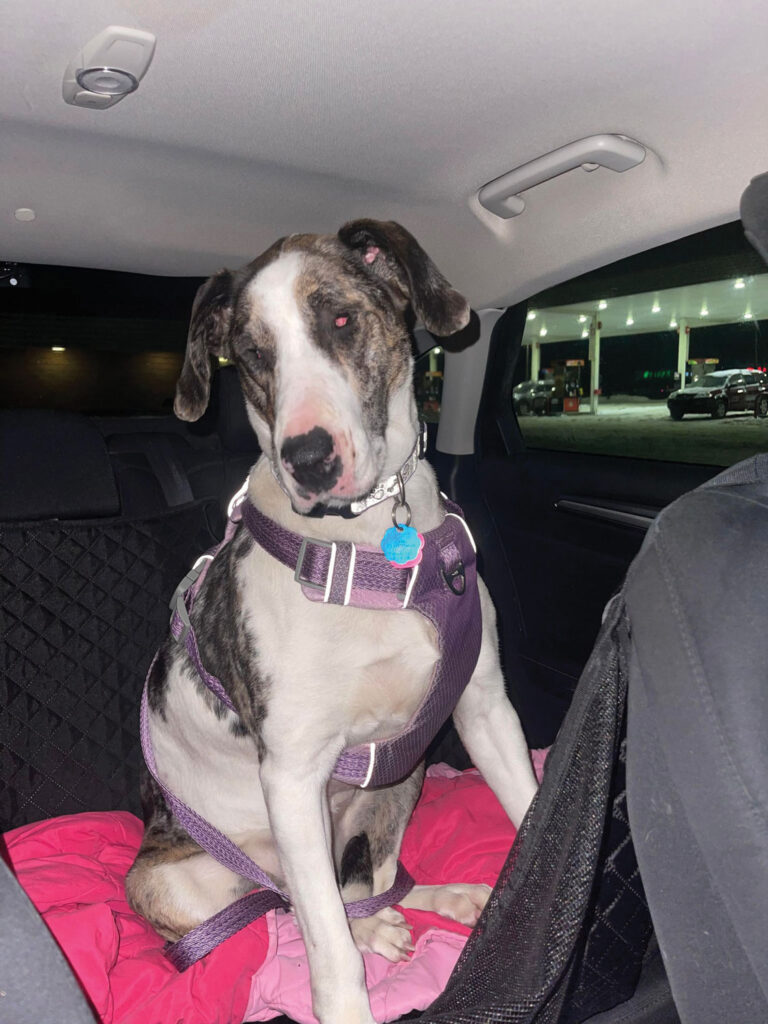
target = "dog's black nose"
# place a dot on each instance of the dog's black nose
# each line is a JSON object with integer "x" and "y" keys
{"x": 311, "y": 460}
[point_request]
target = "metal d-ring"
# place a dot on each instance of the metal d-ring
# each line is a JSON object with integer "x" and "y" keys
{"x": 400, "y": 502}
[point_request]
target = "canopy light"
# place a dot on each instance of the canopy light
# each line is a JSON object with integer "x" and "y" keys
{"x": 531, "y": 314}
{"x": 582, "y": 319}
{"x": 602, "y": 304}
{"x": 108, "y": 68}
{"x": 655, "y": 308}
{"x": 543, "y": 332}
{"x": 673, "y": 323}
{"x": 630, "y": 320}
{"x": 703, "y": 311}
{"x": 739, "y": 283}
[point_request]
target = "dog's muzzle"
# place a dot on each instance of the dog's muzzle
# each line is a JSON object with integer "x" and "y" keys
{"x": 312, "y": 461}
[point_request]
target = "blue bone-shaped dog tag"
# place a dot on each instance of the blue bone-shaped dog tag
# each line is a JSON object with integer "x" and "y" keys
{"x": 402, "y": 546}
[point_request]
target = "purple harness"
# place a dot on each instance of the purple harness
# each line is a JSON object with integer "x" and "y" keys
{"x": 442, "y": 587}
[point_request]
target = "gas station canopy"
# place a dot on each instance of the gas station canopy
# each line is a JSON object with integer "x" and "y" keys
{"x": 738, "y": 300}
{"x": 715, "y": 302}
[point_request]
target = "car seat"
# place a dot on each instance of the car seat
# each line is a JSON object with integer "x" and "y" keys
{"x": 83, "y": 605}
{"x": 663, "y": 750}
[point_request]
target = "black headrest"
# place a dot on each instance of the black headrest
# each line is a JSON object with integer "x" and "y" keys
{"x": 53, "y": 465}
{"x": 230, "y": 418}
{"x": 754, "y": 213}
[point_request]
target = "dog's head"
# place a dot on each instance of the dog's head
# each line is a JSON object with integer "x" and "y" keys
{"x": 318, "y": 329}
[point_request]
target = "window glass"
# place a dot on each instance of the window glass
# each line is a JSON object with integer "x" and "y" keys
{"x": 428, "y": 381}
{"x": 662, "y": 356}
{"x": 91, "y": 341}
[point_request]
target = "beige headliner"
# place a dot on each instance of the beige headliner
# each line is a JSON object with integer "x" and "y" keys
{"x": 261, "y": 118}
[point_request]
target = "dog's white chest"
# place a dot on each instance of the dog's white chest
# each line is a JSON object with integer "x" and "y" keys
{"x": 336, "y": 669}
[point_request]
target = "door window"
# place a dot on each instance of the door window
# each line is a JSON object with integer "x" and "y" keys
{"x": 651, "y": 357}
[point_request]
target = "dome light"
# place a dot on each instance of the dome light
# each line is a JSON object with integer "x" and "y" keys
{"x": 107, "y": 81}
{"x": 108, "y": 67}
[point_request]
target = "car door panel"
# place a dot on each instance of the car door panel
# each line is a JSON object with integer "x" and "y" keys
{"x": 568, "y": 525}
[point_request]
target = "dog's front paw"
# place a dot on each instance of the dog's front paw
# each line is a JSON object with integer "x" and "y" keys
{"x": 458, "y": 902}
{"x": 386, "y": 933}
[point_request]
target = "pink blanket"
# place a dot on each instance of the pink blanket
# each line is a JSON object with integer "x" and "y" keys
{"x": 73, "y": 869}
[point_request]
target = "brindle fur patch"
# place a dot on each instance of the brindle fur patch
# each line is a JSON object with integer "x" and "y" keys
{"x": 373, "y": 347}
{"x": 227, "y": 647}
{"x": 392, "y": 814}
{"x": 157, "y": 680}
{"x": 356, "y": 865}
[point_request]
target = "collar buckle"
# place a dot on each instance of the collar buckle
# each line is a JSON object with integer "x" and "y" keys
{"x": 305, "y": 581}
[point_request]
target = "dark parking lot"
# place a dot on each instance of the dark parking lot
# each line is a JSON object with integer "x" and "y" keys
{"x": 644, "y": 429}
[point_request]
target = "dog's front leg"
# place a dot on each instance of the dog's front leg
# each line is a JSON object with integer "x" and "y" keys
{"x": 490, "y": 729}
{"x": 297, "y": 804}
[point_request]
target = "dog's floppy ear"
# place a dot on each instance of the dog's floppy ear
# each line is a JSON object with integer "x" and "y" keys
{"x": 392, "y": 254}
{"x": 208, "y": 335}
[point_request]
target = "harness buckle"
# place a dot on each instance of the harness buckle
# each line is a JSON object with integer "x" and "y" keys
{"x": 301, "y": 580}
{"x": 456, "y": 579}
{"x": 177, "y": 604}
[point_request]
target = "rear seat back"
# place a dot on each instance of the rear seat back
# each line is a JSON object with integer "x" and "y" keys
{"x": 84, "y": 590}
{"x": 162, "y": 461}
{"x": 239, "y": 445}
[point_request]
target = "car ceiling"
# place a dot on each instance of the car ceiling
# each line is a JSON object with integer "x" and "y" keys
{"x": 259, "y": 118}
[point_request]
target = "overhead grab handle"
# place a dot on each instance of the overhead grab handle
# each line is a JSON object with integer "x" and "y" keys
{"x": 616, "y": 152}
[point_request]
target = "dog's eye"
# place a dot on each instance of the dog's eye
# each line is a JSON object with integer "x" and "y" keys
{"x": 255, "y": 353}
{"x": 341, "y": 320}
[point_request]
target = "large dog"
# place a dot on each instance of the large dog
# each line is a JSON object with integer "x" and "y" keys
{"x": 318, "y": 329}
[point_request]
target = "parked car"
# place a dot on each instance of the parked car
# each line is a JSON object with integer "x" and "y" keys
{"x": 536, "y": 397}
{"x": 721, "y": 392}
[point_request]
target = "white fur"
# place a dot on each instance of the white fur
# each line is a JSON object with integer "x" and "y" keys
{"x": 307, "y": 380}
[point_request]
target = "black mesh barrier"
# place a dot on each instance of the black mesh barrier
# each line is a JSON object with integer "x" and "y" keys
{"x": 83, "y": 606}
{"x": 618, "y": 927}
{"x": 564, "y": 932}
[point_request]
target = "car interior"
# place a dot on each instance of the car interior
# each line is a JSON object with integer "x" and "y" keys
{"x": 582, "y": 175}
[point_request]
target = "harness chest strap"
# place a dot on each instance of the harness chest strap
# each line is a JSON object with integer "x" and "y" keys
{"x": 442, "y": 587}
{"x": 359, "y": 576}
